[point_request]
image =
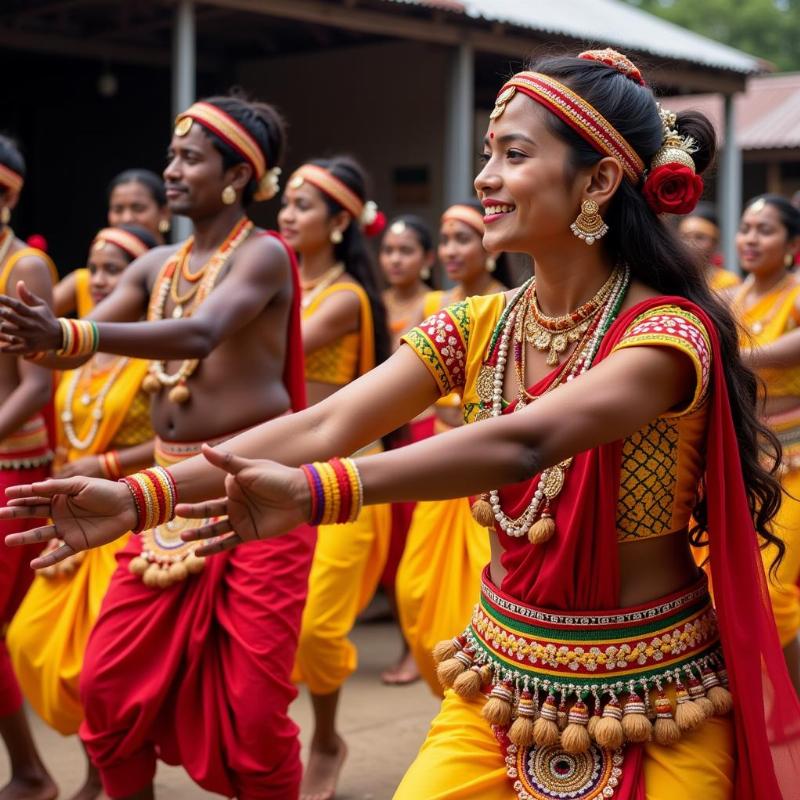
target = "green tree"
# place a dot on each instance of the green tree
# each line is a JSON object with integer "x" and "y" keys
{"x": 769, "y": 29}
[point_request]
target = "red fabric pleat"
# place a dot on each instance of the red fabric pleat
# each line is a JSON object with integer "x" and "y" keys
{"x": 579, "y": 569}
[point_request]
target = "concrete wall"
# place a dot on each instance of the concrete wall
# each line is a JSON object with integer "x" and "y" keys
{"x": 383, "y": 104}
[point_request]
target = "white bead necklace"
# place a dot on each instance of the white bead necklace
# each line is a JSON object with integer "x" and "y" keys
{"x": 551, "y": 479}
{"x": 97, "y": 411}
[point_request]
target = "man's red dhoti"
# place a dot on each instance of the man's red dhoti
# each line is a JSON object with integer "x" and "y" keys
{"x": 29, "y": 445}
{"x": 199, "y": 674}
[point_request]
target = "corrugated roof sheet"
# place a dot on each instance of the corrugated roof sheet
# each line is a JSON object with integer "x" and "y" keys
{"x": 610, "y": 22}
{"x": 767, "y": 114}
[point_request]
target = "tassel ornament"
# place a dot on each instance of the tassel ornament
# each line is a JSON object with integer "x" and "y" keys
{"x": 718, "y": 695}
{"x": 499, "y": 706}
{"x": 450, "y": 669}
{"x": 698, "y": 695}
{"x": 447, "y": 648}
{"x": 482, "y": 512}
{"x": 521, "y": 732}
{"x": 635, "y": 725}
{"x": 688, "y": 715}
{"x": 546, "y": 732}
{"x": 542, "y": 530}
{"x": 665, "y": 730}
{"x": 575, "y": 737}
{"x": 608, "y": 731}
{"x": 468, "y": 683}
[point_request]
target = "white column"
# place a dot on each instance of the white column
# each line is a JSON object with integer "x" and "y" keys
{"x": 184, "y": 58}
{"x": 730, "y": 187}
{"x": 459, "y": 157}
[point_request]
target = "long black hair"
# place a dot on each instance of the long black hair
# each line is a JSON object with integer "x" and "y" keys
{"x": 145, "y": 177}
{"x": 353, "y": 252}
{"x": 262, "y": 121}
{"x": 657, "y": 257}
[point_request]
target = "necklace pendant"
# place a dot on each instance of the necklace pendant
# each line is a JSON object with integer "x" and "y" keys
{"x": 552, "y": 358}
{"x": 177, "y": 312}
{"x": 86, "y": 399}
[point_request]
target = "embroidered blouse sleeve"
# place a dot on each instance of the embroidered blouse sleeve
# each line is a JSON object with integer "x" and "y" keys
{"x": 671, "y": 326}
{"x": 441, "y": 343}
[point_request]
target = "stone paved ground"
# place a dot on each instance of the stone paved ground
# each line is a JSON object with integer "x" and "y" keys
{"x": 383, "y": 727}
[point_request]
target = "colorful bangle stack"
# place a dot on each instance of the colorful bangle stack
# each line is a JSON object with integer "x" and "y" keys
{"x": 336, "y": 491}
{"x": 111, "y": 465}
{"x": 79, "y": 337}
{"x": 154, "y": 495}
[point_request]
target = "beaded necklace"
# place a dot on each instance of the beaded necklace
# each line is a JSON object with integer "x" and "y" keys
{"x": 487, "y": 509}
{"x": 157, "y": 376}
{"x": 312, "y": 290}
{"x": 97, "y": 412}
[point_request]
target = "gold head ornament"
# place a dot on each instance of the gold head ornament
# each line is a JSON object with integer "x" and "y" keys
{"x": 675, "y": 149}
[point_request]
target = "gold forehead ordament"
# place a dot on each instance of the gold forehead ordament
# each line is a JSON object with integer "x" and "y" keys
{"x": 297, "y": 182}
{"x": 398, "y": 227}
{"x": 183, "y": 126}
{"x": 99, "y": 244}
{"x": 502, "y": 101}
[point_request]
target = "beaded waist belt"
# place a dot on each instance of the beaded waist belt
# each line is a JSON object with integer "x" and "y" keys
{"x": 574, "y": 679}
{"x": 27, "y": 447}
{"x": 786, "y": 427}
{"x": 165, "y": 558}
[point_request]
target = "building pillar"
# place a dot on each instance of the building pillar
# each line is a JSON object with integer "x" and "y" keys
{"x": 459, "y": 158}
{"x": 730, "y": 187}
{"x": 184, "y": 56}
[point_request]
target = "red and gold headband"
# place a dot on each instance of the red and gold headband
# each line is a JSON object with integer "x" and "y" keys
{"x": 466, "y": 214}
{"x": 10, "y": 179}
{"x": 581, "y": 116}
{"x": 235, "y": 136}
{"x": 365, "y": 213}
{"x": 126, "y": 241}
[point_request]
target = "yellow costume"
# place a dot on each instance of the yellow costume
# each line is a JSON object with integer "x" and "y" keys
{"x": 772, "y": 316}
{"x": 720, "y": 279}
{"x": 462, "y": 758}
{"x": 348, "y": 559}
{"x": 439, "y": 574}
{"x": 48, "y": 635}
{"x": 83, "y": 297}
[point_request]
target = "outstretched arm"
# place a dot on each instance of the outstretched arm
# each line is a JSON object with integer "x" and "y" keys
{"x": 615, "y": 399}
{"x": 261, "y": 269}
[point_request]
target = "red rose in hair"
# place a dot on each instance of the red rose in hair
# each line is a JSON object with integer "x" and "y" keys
{"x": 672, "y": 189}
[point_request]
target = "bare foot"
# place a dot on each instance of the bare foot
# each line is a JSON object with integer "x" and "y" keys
{"x": 322, "y": 772}
{"x": 92, "y": 789}
{"x": 402, "y": 673}
{"x": 40, "y": 787}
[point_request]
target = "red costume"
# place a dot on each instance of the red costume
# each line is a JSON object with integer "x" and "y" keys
{"x": 198, "y": 674}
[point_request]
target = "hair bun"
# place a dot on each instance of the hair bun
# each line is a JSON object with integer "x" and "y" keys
{"x": 617, "y": 60}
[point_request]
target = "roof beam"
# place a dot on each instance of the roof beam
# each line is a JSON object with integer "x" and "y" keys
{"x": 456, "y": 33}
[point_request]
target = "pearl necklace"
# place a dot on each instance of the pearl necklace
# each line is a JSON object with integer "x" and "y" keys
{"x": 97, "y": 411}
{"x": 551, "y": 480}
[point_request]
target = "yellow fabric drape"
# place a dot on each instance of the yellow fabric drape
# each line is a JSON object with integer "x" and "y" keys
{"x": 720, "y": 279}
{"x": 461, "y": 760}
{"x": 12, "y": 260}
{"x": 438, "y": 580}
{"x": 351, "y": 355}
{"x": 83, "y": 298}
{"x": 47, "y": 637}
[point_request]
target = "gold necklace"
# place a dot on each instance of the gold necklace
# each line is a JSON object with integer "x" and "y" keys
{"x": 757, "y": 326}
{"x": 316, "y": 288}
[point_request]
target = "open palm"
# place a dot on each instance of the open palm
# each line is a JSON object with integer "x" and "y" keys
{"x": 263, "y": 499}
{"x": 85, "y": 513}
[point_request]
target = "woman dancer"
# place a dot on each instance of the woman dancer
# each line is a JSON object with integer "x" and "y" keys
{"x": 768, "y": 305}
{"x": 135, "y": 197}
{"x": 324, "y": 217}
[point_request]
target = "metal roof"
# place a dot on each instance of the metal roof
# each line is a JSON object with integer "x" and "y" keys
{"x": 611, "y": 22}
{"x": 767, "y": 114}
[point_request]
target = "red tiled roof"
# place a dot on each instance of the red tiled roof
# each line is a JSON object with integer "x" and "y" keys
{"x": 767, "y": 114}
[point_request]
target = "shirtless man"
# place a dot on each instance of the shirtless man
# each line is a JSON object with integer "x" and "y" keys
{"x": 25, "y": 391}
{"x": 225, "y": 326}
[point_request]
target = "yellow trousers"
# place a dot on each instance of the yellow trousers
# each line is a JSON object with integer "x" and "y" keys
{"x": 348, "y": 562}
{"x": 48, "y": 635}
{"x": 784, "y": 592}
{"x": 462, "y": 760}
{"x": 438, "y": 580}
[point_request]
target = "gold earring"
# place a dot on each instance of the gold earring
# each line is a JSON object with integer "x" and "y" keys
{"x": 5, "y": 215}
{"x": 163, "y": 226}
{"x": 229, "y": 195}
{"x": 589, "y": 225}
{"x": 336, "y": 236}
{"x": 425, "y": 273}
{"x": 491, "y": 264}
{"x": 788, "y": 261}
